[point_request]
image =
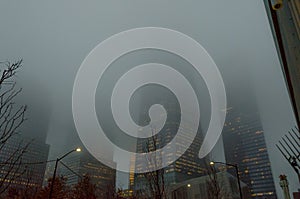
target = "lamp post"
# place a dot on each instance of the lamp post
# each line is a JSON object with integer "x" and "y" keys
{"x": 237, "y": 174}
{"x": 55, "y": 168}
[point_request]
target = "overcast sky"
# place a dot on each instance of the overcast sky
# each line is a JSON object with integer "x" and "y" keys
{"x": 53, "y": 37}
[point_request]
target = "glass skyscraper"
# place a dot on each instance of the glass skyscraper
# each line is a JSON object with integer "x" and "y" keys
{"x": 244, "y": 145}
{"x": 186, "y": 166}
{"x": 79, "y": 164}
{"x": 29, "y": 165}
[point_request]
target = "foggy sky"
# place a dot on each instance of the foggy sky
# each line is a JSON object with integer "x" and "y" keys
{"x": 54, "y": 37}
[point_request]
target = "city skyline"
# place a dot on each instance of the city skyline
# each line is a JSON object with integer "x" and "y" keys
{"x": 53, "y": 38}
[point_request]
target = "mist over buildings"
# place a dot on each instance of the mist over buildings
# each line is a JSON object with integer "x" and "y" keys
{"x": 54, "y": 37}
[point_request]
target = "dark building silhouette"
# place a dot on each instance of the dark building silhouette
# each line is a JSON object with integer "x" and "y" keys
{"x": 75, "y": 166}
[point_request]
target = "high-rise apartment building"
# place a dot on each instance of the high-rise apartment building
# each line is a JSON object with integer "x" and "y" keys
{"x": 244, "y": 145}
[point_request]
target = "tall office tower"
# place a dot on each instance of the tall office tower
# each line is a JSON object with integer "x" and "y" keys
{"x": 29, "y": 168}
{"x": 185, "y": 166}
{"x": 75, "y": 166}
{"x": 244, "y": 144}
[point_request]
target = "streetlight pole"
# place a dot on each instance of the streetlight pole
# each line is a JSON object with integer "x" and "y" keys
{"x": 55, "y": 168}
{"x": 237, "y": 174}
{"x": 238, "y": 179}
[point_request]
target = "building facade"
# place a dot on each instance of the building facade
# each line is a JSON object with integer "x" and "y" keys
{"x": 187, "y": 165}
{"x": 244, "y": 145}
{"x": 23, "y": 162}
{"x": 75, "y": 166}
{"x": 199, "y": 188}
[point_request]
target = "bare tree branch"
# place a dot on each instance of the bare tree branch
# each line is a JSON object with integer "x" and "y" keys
{"x": 156, "y": 185}
{"x": 11, "y": 118}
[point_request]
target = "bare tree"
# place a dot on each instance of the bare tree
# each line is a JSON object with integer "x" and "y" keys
{"x": 84, "y": 189}
{"x": 60, "y": 189}
{"x": 11, "y": 119}
{"x": 155, "y": 185}
{"x": 28, "y": 191}
{"x": 214, "y": 184}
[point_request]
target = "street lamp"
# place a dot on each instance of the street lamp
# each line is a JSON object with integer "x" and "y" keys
{"x": 55, "y": 168}
{"x": 237, "y": 174}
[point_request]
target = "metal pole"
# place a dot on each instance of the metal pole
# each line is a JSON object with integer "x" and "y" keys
{"x": 238, "y": 179}
{"x": 54, "y": 173}
{"x": 53, "y": 179}
{"x": 237, "y": 174}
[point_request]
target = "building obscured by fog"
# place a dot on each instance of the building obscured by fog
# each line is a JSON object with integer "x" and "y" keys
{"x": 75, "y": 166}
{"x": 28, "y": 169}
{"x": 244, "y": 145}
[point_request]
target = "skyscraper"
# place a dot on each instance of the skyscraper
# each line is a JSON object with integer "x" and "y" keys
{"x": 244, "y": 145}
{"x": 76, "y": 166}
{"x": 185, "y": 166}
{"x": 22, "y": 165}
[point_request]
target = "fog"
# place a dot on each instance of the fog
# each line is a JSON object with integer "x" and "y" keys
{"x": 54, "y": 37}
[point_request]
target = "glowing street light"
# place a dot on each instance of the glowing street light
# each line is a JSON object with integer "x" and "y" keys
{"x": 237, "y": 174}
{"x": 55, "y": 168}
